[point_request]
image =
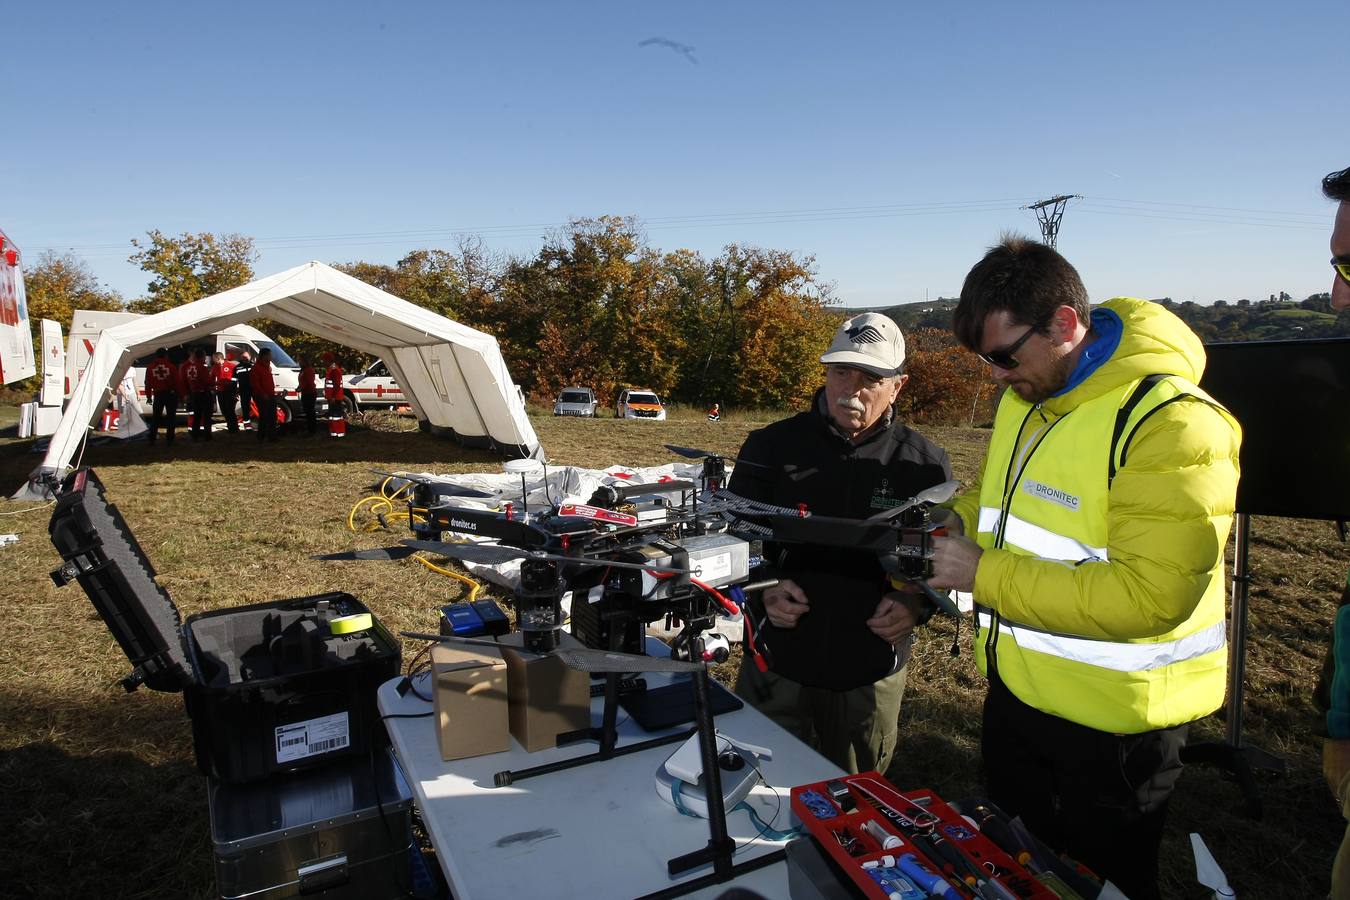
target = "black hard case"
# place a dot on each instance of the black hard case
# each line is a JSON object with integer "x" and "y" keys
{"x": 258, "y": 681}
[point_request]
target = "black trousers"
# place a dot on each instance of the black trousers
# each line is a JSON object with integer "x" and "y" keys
{"x": 164, "y": 409}
{"x": 267, "y": 417}
{"x": 307, "y": 403}
{"x": 245, "y": 401}
{"x": 1099, "y": 797}
{"x": 225, "y": 398}
{"x": 203, "y": 405}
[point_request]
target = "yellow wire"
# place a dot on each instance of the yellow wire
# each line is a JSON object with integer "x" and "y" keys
{"x": 382, "y": 503}
{"x": 474, "y": 587}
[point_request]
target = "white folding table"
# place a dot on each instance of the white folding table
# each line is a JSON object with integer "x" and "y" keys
{"x": 597, "y": 830}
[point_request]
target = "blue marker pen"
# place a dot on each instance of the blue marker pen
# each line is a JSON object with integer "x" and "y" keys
{"x": 926, "y": 878}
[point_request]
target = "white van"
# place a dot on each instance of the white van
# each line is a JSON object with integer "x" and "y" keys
{"x": 375, "y": 387}
{"x": 88, "y": 324}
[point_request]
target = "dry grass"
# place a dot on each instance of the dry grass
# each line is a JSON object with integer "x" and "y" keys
{"x": 101, "y": 797}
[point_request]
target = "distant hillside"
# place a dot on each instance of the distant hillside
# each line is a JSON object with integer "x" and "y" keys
{"x": 1266, "y": 320}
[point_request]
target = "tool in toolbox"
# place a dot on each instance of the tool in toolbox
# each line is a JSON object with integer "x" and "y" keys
{"x": 913, "y": 837}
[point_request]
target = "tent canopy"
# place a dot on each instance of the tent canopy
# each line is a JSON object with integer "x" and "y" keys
{"x": 454, "y": 376}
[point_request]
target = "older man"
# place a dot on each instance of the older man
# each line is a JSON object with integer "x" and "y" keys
{"x": 838, "y": 636}
{"x": 1099, "y": 522}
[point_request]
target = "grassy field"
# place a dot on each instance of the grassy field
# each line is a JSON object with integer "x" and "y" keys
{"x": 101, "y": 797}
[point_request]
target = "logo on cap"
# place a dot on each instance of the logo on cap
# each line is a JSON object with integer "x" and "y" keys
{"x": 865, "y": 334}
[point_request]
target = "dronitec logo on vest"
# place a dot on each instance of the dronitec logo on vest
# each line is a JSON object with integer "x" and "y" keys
{"x": 1053, "y": 494}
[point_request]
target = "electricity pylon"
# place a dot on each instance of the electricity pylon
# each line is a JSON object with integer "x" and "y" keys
{"x": 1049, "y": 213}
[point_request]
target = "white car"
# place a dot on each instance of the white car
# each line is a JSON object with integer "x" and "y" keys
{"x": 639, "y": 403}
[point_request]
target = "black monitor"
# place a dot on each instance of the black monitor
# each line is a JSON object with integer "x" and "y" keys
{"x": 1293, "y": 400}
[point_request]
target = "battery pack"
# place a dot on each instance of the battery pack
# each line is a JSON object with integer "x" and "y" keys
{"x": 462, "y": 620}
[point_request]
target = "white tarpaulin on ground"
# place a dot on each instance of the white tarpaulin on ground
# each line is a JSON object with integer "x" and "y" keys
{"x": 454, "y": 376}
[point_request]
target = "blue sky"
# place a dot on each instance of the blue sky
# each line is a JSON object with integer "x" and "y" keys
{"x": 892, "y": 141}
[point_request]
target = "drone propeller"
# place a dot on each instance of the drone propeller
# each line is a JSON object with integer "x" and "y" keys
{"x": 695, "y": 453}
{"x": 381, "y": 554}
{"x": 581, "y": 658}
{"x": 442, "y": 488}
{"x": 492, "y": 554}
{"x": 938, "y": 493}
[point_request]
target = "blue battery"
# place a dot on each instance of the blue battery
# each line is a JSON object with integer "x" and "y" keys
{"x": 462, "y": 620}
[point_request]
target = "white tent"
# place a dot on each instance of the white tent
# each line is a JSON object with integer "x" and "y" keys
{"x": 453, "y": 376}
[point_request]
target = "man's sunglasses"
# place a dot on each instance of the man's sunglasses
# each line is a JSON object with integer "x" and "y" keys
{"x": 1005, "y": 357}
{"x": 1342, "y": 266}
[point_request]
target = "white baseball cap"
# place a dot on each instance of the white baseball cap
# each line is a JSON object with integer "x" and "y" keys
{"x": 871, "y": 342}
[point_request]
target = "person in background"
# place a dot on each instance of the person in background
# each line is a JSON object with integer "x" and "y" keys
{"x": 197, "y": 377}
{"x": 715, "y": 413}
{"x": 334, "y": 394}
{"x": 1333, "y": 690}
{"x": 161, "y": 383}
{"x": 242, "y": 380}
{"x": 838, "y": 635}
{"x": 226, "y": 389}
{"x": 1099, "y": 522}
{"x": 308, "y": 394}
{"x": 264, "y": 389}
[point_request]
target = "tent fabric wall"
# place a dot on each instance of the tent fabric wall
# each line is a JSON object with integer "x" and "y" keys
{"x": 454, "y": 376}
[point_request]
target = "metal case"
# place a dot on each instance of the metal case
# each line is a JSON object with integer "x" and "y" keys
{"x": 343, "y": 831}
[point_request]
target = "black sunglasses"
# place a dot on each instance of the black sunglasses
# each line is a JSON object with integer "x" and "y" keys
{"x": 1342, "y": 266}
{"x": 1004, "y": 357}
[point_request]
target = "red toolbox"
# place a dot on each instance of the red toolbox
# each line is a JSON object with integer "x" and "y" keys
{"x": 907, "y": 845}
{"x": 270, "y": 687}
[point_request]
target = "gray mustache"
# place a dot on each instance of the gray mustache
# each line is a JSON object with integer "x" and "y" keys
{"x": 851, "y": 403}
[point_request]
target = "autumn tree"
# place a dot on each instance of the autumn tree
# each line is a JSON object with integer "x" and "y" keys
{"x": 190, "y": 267}
{"x": 948, "y": 385}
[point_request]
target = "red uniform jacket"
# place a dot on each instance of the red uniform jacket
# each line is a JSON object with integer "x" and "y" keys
{"x": 161, "y": 376}
{"x": 224, "y": 372}
{"x": 195, "y": 376}
{"x": 260, "y": 379}
{"x": 332, "y": 384}
{"x": 307, "y": 380}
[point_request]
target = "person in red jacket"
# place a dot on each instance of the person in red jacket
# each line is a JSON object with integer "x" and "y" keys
{"x": 197, "y": 378}
{"x": 308, "y": 392}
{"x": 161, "y": 385}
{"x": 333, "y": 393}
{"x": 264, "y": 395}
{"x": 223, "y": 371}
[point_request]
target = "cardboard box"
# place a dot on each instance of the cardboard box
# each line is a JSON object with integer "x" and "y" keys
{"x": 546, "y": 697}
{"x": 470, "y": 698}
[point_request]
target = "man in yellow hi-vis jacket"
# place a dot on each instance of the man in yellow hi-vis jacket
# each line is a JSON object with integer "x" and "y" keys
{"x": 1094, "y": 547}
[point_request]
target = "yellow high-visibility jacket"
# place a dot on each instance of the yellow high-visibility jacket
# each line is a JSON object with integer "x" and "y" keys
{"x": 1100, "y": 599}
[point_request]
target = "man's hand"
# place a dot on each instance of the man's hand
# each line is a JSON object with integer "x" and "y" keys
{"x": 954, "y": 562}
{"x": 1336, "y": 765}
{"x": 896, "y": 616}
{"x": 785, "y": 603}
{"x": 948, "y": 519}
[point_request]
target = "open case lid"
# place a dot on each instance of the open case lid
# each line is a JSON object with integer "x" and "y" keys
{"x": 101, "y": 553}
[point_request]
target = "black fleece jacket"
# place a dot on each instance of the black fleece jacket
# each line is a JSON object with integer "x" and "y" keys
{"x": 805, "y": 460}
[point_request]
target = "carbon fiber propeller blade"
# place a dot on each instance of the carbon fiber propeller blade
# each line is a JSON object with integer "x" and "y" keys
{"x": 382, "y": 554}
{"x": 582, "y": 659}
{"x": 492, "y": 554}
{"x": 938, "y": 493}
{"x": 443, "y": 488}
{"x": 695, "y": 453}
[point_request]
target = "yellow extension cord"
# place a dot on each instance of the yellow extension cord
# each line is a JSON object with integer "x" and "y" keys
{"x": 382, "y": 512}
